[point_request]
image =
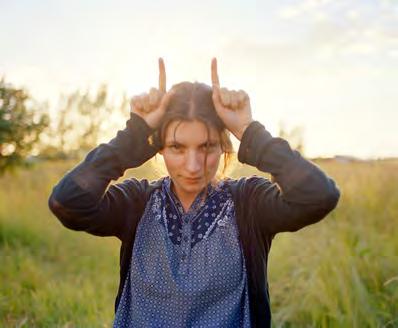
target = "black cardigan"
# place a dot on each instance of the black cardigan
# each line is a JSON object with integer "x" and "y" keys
{"x": 302, "y": 194}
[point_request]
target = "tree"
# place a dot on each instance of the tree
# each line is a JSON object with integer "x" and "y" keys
{"x": 21, "y": 123}
{"x": 94, "y": 111}
{"x": 82, "y": 120}
{"x": 294, "y": 136}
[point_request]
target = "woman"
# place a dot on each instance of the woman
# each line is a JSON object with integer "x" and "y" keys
{"x": 194, "y": 248}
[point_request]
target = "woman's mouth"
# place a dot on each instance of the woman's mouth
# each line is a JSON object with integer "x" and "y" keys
{"x": 192, "y": 180}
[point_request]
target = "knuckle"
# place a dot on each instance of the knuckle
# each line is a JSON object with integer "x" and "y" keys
{"x": 159, "y": 95}
{"x": 134, "y": 100}
{"x": 153, "y": 94}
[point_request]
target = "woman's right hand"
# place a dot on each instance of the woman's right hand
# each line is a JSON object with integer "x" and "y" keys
{"x": 152, "y": 106}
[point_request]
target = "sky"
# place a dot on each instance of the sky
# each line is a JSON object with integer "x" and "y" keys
{"x": 328, "y": 67}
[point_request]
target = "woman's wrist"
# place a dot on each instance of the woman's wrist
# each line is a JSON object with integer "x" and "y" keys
{"x": 239, "y": 134}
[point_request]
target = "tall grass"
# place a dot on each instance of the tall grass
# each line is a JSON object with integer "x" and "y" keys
{"x": 342, "y": 272}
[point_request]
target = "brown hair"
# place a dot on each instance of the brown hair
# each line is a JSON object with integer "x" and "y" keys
{"x": 193, "y": 101}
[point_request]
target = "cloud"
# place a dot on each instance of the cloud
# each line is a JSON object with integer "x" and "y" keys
{"x": 347, "y": 28}
{"x": 307, "y": 7}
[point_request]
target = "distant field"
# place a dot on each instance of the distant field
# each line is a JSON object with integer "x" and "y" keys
{"x": 342, "y": 272}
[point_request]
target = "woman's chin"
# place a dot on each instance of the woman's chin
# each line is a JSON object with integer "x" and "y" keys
{"x": 191, "y": 186}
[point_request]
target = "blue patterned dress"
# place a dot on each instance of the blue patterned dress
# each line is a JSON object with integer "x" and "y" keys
{"x": 187, "y": 269}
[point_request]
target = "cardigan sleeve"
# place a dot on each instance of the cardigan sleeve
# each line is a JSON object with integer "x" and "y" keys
{"x": 302, "y": 193}
{"x": 81, "y": 200}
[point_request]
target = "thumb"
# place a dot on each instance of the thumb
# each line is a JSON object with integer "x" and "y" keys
{"x": 216, "y": 96}
{"x": 164, "y": 102}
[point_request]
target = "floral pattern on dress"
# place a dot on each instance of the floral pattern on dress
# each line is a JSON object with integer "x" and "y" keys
{"x": 205, "y": 218}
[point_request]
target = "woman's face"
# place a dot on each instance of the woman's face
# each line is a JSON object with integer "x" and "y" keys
{"x": 184, "y": 155}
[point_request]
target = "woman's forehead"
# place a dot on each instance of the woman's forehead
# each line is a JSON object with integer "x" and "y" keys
{"x": 190, "y": 132}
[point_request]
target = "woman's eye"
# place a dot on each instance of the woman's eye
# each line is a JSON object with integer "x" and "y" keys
{"x": 175, "y": 147}
{"x": 209, "y": 148}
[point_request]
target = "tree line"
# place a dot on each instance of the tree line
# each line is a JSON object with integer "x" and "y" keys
{"x": 30, "y": 130}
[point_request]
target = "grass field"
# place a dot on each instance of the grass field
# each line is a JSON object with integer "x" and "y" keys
{"x": 342, "y": 272}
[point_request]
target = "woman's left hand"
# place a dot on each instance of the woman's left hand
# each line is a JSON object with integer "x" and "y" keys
{"x": 233, "y": 107}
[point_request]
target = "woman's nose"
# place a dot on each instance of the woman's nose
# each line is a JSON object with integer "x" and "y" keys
{"x": 194, "y": 161}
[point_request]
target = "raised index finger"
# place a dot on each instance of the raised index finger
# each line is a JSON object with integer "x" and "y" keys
{"x": 162, "y": 76}
{"x": 214, "y": 75}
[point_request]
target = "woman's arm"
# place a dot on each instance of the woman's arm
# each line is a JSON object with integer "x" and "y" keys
{"x": 302, "y": 193}
{"x": 80, "y": 200}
